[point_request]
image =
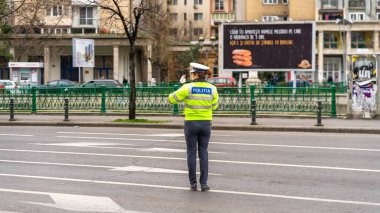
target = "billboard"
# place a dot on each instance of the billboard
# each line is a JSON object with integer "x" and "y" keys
{"x": 279, "y": 46}
{"x": 83, "y": 53}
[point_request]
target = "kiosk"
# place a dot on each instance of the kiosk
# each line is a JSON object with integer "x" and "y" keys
{"x": 26, "y": 73}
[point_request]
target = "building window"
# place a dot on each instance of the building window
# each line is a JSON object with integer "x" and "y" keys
{"x": 173, "y": 2}
{"x": 219, "y": 4}
{"x": 197, "y": 2}
{"x": 378, "y": 16}
{"x": 285, "y": 1}
{"x": 329, "y": 4}
{"x": 55, "y": 11}
{"x": 332, "y": 69}
{"x": 85, "y": 14}
{"x": 270, "y": 18}
{"x": 198, "y": 31}
{"x": 174, "y": 16}
{"x": 185, "y": 3}
{"x": 173, "y": 32}
{"x": 378, "y": 3}
{"x": 356, "y": 4}
{"x": 270, "y": 1}
{"x": 330, "y": 40}
{"x": 185, "y": 16}
{"x": 357, "y": 16}
{"x": 361, "y": 40}
{"x": 234, "y": 5}
{"x": 198, "y": 16}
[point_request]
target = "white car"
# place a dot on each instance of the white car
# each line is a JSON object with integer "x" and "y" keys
{"x": 9, "y": 86}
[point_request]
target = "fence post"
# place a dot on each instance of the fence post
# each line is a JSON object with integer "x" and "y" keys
{"x": 34, "y": 100}
{"x": 333, "y": 101}
{"x": 253, "y": 105}
{"x": 319, "y": 113}
{"x": 12, "y": 109}
{"x": 66, "y": 106}
{"x": 175, "y": 106}
{"x": 103, "y": 104}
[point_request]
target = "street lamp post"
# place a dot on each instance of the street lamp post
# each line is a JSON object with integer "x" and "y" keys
{"x": 344, "y": 23}
{"x": 215, "y": 65}
{"x": 201, "y": 40}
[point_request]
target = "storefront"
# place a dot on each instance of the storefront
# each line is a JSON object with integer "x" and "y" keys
{"x": 26, "y": 73}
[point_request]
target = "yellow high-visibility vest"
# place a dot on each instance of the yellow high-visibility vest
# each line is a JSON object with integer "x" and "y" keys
{"x": 200, "y": 99}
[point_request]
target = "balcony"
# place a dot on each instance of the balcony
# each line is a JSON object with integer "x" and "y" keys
{"x": 221, "y": 17}
{"x": 325, "y": 4}
{"x": 356, "y": 4}
{"x": 83, "y": 2}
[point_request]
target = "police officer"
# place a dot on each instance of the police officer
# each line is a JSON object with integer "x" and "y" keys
{"x": 200, "y": 98}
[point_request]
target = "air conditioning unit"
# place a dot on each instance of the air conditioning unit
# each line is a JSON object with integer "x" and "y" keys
{"x": 195, "y": 6}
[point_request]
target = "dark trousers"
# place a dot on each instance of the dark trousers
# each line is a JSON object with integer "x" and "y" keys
{"x": 197, "y": 133}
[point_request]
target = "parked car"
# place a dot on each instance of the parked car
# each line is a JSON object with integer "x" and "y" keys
{"x": 222, "y": 81}
{"x": 99, "y": 82}
{"x": 63, "y": 83}
{"x": 8, "y": 86}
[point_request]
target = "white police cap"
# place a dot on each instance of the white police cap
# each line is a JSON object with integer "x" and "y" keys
{"x": 198, "y": 67}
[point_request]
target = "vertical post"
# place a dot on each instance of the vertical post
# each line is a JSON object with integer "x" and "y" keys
{"x": 319, "y": 113}
{"x": 34, "y": 100}
{"x": 103, "y": 103}
{"x": 333, "y": 101}
{"x": 12, "y": 109}
{"x": 175, "y": 106}
{"x": 66, "y": 106}
{"x": 253, "y": 105}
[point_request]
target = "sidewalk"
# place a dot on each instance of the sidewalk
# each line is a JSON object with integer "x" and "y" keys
{"x": 291, "y": 124}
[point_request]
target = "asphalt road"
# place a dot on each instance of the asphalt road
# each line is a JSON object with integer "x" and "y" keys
{"x": 77, "y": 169}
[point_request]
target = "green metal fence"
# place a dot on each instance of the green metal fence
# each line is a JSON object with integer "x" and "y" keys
{"x": 154, "y": 99}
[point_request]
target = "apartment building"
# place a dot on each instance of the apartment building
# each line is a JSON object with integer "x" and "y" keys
{"x": 343, "y": 28}
{"x": 56, "y": 23}
{"x": 197, "y": 21}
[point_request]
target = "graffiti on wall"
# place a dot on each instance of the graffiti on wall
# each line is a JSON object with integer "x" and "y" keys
{"x": 364, "y": 83}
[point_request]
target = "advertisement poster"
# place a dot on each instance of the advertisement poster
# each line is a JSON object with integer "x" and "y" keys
{"x": 83, "y": 53}
{"x": 364, "y": 83}
{"x": 269, "y": 47}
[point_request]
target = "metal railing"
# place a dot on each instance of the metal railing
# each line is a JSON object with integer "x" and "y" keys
{"x": 154, "y": 99}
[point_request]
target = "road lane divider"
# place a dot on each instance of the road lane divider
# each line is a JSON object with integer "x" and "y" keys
{"x": 211, "y": 161}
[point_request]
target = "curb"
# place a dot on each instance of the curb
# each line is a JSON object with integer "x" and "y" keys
{"x": 314, "y": 129}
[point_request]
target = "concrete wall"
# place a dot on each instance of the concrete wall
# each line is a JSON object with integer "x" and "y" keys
{"x": 302, "y": 10}
{"x": 255, "y": 10}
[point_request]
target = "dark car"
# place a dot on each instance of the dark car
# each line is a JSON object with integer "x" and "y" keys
{"x": 99, "y": 82}
{"x": 58, "y": 84}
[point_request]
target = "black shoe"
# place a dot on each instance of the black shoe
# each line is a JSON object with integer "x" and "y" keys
{"x": 205, "y": 188}
{"x": 193, "y": 187}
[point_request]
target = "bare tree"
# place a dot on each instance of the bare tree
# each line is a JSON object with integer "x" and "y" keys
{"x": 157, "y": 25}
{"x": 7, "y": 9}
{"x": 131, "y": 16}
{"x": 30, "y": 31}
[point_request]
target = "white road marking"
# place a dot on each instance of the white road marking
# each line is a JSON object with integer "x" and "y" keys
{"x": 59, "y": 164}
{"x": 17, "y": 135}
{"x": 172, "y": 150}
{"x": 148, "y": 169}
{"x": 71, "y": 202}
{"x": 114, "y": 168}
{"x": 148, "y": 135}
{"x": 215, "y": 161}
{"x": 82, "y": 144}
{"x": 315, "y": 199}
{"x": 229, "y": 143}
